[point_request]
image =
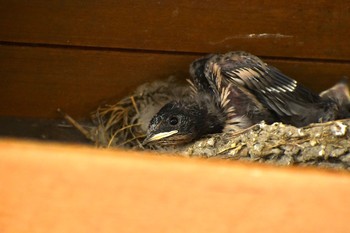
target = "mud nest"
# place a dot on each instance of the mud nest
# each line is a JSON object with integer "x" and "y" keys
{"x": 124, "y": 124}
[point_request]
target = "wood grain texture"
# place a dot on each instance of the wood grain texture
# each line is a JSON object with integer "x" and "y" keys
{"x": 57, "y": 188}
{"x": 35, "y": 81}
{"x": 302, "y": 29}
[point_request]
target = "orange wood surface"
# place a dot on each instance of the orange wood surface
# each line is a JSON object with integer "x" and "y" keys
{"x": 66, "y": 188}
{"x": 302, "y": 29}
{"x": 35, "y": 81}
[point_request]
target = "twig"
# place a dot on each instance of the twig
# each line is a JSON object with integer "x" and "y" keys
{"x": 132, "y": 139}
{"x": 68, "y": 118}
{"x": 118, "y": 131}
{"x": 134, "y": 104}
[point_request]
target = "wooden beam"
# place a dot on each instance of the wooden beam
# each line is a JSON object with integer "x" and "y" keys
{"x": 35, "y": 81}
{"x": 68, "y": 188}
{"x": 304, "y": 29}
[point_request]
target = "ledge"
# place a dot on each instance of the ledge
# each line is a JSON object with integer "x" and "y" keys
{"x": 70, "y": 188}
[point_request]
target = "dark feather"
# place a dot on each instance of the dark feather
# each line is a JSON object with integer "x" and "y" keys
{"x": 273, "y": 88}
{"x": 288, "y": 100}
{"x": 235, "y": 90}
{"x": 199, "y": 80}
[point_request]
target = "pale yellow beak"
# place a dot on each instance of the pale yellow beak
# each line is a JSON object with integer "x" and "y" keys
{"x": 158, "y": 136}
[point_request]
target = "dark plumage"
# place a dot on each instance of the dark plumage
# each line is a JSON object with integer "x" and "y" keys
{"x": 235, "y": 90}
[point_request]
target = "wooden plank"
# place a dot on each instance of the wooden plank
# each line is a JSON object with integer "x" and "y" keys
{"x": 36, "y": 81}
{"x": 57, "y": 188}
{"x": 303, "y": 29}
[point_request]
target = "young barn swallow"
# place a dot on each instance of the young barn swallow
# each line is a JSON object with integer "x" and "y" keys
{"x": 233, "y": 91}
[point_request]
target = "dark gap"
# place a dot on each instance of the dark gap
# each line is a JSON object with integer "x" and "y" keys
{"x": 97, "y": 48}
{"x": 40, "y": 129}
{"x": 135, "y": 50}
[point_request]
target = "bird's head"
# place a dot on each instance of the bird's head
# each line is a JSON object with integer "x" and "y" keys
{"x": 176, "y": 123}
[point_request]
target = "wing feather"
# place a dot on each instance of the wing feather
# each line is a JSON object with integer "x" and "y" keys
{"x": 278, "y": 92}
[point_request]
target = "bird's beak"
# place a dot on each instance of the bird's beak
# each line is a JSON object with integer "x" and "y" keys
{"x": 158, "y": 136}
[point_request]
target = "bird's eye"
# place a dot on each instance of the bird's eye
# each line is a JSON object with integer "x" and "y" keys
{"x": 173, "y": 121}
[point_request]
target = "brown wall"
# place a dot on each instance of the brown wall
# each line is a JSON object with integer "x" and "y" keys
{"x": 75, "y": 54}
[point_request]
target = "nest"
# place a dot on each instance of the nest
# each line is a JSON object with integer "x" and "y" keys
{"x": 322, "y": 144}
{"x": 124, "y": 124}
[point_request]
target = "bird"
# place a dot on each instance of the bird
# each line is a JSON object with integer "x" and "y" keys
{"x": 233, "y": 91}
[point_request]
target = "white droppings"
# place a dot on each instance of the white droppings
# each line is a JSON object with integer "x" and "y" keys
{"x": 253, "y": 36}
{"x": 268, "y": 35}
{"x": 322, "y": 152}
{"x": 301, "y": 132}
{"x": 211, "y": 142}
{"x": 313, "y": 142}
{"x": 262, "y": 124}
{"x": 339, "y": 129}
{"x": 258, "y": 147}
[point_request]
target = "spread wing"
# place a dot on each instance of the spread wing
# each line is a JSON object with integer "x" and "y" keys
{"x": 240, "y": 106}
{"x": 272, "y": 88}
{"x": 199, "y": 82}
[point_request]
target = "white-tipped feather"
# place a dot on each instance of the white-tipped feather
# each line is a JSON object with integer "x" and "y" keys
{"x": 254, "y": 73}
{"x": 231, "y": 109}
{"x": 226, "y": 92}
{"x": 216, "y": 76}
{"x": 192, "y": 86}
{"x": 242, "y": 73}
